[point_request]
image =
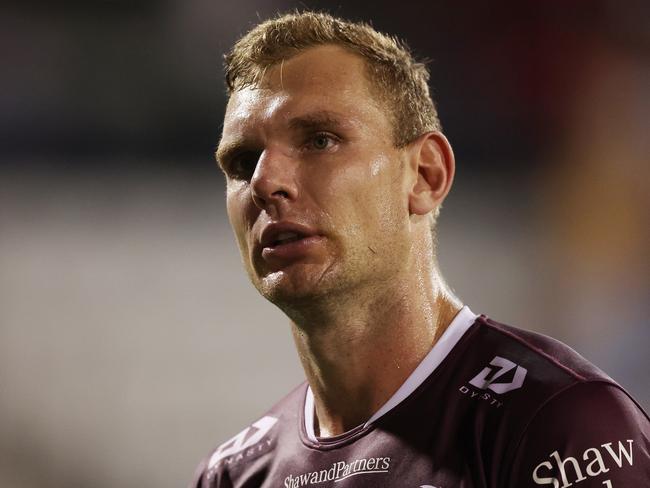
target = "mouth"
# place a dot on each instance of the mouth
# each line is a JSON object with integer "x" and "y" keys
{"x": 282, "y": 242}
{"x": 284, "y": 238}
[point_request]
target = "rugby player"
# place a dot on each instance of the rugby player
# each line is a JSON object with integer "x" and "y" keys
{"x": 336, "y": 168}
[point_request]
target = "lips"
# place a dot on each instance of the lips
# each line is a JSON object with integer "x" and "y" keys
{"x": 286, "y": 237}
{"x": 283, "y": 242}
{"x": 284, "y": 232}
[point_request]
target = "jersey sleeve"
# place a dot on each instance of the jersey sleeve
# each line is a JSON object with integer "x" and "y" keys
{"x": 205, "y": 478}
{"x": 198, "y": 480}
{"x": 591, "y": 435}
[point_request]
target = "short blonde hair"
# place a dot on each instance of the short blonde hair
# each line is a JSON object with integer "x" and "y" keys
{"x": 395, "y": 77}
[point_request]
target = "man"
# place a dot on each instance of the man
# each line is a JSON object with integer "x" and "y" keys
{"x": 336, "y": 170}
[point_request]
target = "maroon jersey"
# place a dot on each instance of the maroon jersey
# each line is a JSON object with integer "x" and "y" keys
{"x": 489, "y": 406}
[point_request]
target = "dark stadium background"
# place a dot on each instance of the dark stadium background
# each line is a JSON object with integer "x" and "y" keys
{"x": 130, "y": 340}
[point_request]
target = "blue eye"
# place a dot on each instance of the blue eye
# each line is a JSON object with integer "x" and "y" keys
{"x": 321, "y": 141}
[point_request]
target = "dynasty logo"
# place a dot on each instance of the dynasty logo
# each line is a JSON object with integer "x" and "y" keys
{"x": 339, "y": 471}
{"x": 500, "y": 376}
{"x": 245, "y": 444}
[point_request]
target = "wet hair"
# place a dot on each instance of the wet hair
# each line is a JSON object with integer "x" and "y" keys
{"x": 395, "y": 77}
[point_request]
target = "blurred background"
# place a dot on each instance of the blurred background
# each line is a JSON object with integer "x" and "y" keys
{"x": 130, "y": 340}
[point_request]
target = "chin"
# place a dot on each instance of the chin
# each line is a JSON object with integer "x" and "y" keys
{"x": 289, "y": 287}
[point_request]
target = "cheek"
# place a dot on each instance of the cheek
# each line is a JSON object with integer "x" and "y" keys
{"x": 238, "y": 216}
{"x": 360, "y": 173}
{"x": 380, "y": 186}
{"x": 386, "y": 202}
{"x": 368, "y": 193}
{"x": 377, "y": 166}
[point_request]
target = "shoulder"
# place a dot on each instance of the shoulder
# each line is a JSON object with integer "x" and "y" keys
{"x": 528, "y": 370}
{"x": 591, "y": 432}
{"x": 540, "y": 351}
{"x": 252, "y": 448}
{"x": 573, "y": 422}
{"x": 520, "y": 368}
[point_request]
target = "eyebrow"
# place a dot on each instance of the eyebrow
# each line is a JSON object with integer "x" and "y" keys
{"x": 315, "y": 120}
{"x": 321, "y": 119}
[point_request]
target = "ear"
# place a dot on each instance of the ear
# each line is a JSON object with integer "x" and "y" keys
{"x": 432, "y": 163}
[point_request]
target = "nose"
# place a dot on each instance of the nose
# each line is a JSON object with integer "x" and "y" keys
{"x": 273, "y": 182}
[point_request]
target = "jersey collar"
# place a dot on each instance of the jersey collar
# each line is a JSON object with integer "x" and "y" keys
{"x": 459, "y": 325}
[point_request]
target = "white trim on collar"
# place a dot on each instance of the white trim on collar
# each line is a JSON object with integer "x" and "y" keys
{"x": 459, "y": 325}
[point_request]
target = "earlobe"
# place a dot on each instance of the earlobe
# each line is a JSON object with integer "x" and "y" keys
{"x": 433, "y": 166}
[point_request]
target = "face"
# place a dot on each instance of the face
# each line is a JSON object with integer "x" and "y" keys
{"x": 316, "y": 193}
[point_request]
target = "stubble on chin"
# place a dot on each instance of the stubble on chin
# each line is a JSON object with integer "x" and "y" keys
{"x": 291, "y": 287}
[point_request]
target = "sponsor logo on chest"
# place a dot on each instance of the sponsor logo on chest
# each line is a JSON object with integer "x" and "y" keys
{"x": 595, "y": 461}
{"x": 339, "y": 471}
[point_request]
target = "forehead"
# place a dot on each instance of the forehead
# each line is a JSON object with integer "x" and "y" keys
{"x": 323, "y": 78}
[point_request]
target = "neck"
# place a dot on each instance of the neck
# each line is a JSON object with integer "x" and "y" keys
{"x": 357, "y": 353}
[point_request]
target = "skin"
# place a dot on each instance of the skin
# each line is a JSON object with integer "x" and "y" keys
{"x": 367, "y": 302}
